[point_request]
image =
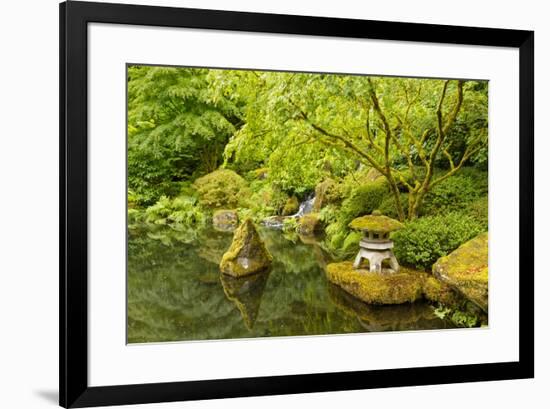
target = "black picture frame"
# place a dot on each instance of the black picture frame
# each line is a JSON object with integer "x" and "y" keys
{"x": 73, "y": 349}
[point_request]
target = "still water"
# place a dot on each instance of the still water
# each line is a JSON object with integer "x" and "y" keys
{"x": 176, "y": 292}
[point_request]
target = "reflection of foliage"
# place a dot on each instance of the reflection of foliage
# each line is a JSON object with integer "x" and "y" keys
{"x": 175, "y": 292}
{"x": 409, "y": 316}
{"x": 459, "y": 317}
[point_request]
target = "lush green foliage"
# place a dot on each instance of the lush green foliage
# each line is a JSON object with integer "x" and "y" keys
{"x": 261, "y": 142}
{"x": 178, "y": 126}
{"x": 424, "y": 240}
{"x": 221, "y": 188}
{"x": 456, "y": 193}
{"x": 183, "y": 210}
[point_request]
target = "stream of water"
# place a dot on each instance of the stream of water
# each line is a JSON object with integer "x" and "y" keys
{"x": 176, "y": 292}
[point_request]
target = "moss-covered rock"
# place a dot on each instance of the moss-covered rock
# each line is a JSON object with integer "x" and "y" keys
{"x": 437, "y": 291}
{"x": 225, "y": 220}
{"x": 376, "y": 223}
{"x": 291, "y": 206}
{"x": 221, "y": 188}
{"x": 376, "y": 318}
{"x": 325, "y": 193}
{"x": 247, "y": 254}
{"x": 374, "y": 288}
{"x": 408, "y": 285}
{"x": 308, "y": 224}
{"x": 466, "y": 270}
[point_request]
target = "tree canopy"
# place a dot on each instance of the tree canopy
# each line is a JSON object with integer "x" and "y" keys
{"x": 303, "y": 127}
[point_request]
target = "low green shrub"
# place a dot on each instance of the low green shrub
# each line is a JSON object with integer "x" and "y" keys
{"x": 363, "y": 200}
{"x": 426, "y": 239}
{"x": 290, "y": 224}
{"x": 220, "y": 189}
{"x": 387, "y": 205}
{"x": 479, "y": 210}
{"x": 351, "y": 243}
{"x": 263, "y": 199}
{"x": 455, "y": 193}
{"x": 183, "y": 210}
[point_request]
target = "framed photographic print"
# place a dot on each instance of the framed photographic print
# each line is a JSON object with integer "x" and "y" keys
{"x": 256, "y": 204}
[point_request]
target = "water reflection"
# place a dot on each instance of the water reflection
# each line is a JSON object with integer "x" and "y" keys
{"x": 246, "y": 293}
{"x": 378, "y": 318}
{"x": 176, "y": 291}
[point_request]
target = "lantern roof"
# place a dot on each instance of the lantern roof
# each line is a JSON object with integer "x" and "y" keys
{"x": 376, "y": 223}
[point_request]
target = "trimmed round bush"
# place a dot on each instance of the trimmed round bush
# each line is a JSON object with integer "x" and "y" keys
{"x": 426, "y": 239}
{"x": 221, "y": 188}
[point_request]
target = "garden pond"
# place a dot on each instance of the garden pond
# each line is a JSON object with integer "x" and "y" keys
{"x": 177, "y": 293}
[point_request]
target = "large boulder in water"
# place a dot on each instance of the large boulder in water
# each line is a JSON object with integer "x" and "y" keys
{"x": 375, "y": 288}
{"x": 405, "y": 286}
{"x": 466, "y": 270}
{"x": 247, "y": 254}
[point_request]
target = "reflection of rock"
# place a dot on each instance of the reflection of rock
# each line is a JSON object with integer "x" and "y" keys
{"x": 308, "y": 224}
{"x": 247, "y": 254}
{"x": 225, "y": 220}
{"x": 466, "y": 269}
{"x": 376, "y": 288}
{"x": 246, "y": 293}
{"x": 401, "y": 317}
{"x": 274, "y": 222}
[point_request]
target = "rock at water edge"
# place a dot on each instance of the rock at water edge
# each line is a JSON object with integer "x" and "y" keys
{"x": 247, "y": 254}
{"x": 466, "y": 270}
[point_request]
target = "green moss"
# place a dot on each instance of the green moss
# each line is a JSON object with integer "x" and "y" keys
{"x": 382, "y": 317}
{"x": 439, "y": 292}
{"x": 466, "y": 270}
{"x": 260, "y": 173}
{"x": 221, "y": 188}
{"x": 247, "y": 254}
{"x": 407, "y": 285}
{"x": 376, "y": 223}
{"x": 374, "y": 288}
{"x": 291, "y": 206}
{"x": 308, "y": 224}
{"x": 326, "y": 192}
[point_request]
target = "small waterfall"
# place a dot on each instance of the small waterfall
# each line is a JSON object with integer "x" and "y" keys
{"x": 276, "y": 222}
{"x": 305, "y": 206}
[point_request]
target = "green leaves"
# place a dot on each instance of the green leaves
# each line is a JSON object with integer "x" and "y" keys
{"x": 424, "y": 240}
{"x": 177, "y": 127}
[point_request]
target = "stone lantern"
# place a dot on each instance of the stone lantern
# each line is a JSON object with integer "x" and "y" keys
{"x": 376, "y": 245}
